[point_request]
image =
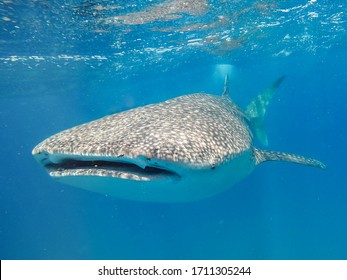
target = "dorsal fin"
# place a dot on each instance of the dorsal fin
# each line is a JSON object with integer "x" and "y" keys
{"x": 226, "y": 86}
{"x": 256, "y": 110}
{"x": 262, "y": 156}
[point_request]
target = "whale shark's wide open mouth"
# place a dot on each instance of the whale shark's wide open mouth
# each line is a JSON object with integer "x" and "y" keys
{"x": 106, "y": 168}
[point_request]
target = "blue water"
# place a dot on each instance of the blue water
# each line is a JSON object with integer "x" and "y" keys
{"x": 63, "y": 63}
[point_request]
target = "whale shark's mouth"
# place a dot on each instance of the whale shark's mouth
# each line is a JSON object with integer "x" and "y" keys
{"x": 107, "y": 168}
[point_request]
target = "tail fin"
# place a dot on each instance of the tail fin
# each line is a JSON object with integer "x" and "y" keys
{"x": 256, "y": 110}
{"x": 261, "y": 156}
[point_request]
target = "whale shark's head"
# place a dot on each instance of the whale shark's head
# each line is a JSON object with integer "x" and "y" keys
{"x": 155, "y": 145}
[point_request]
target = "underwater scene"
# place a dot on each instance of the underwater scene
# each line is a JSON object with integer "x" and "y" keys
{"x": 213, "y": 175}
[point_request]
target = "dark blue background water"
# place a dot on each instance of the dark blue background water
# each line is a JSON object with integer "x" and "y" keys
{"x": 281, "y": 211}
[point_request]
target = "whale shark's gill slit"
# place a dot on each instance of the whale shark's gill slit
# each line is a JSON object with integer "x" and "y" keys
{"x": 125, "y": 170}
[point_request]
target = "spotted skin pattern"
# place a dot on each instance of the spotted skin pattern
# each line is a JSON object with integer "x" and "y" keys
{"x": 198, "y": 130}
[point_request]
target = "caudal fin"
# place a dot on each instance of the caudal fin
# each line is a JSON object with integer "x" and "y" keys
{"x": 262, "y": 155}
{"x": 256, "y": 110}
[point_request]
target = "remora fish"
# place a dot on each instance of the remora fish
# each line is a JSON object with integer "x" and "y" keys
{"x": 182, "y": 149}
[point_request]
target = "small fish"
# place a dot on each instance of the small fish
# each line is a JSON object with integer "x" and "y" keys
{"x": 186, "y": 148}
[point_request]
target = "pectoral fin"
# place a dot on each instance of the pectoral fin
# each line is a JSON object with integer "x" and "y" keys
{"x": 262, "y": 156}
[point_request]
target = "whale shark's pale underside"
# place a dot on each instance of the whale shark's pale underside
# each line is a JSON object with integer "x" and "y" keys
{"x": 186, "y": 148}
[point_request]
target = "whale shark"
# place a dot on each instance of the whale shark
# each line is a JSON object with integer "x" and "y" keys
{"x": 187, "y": 148}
